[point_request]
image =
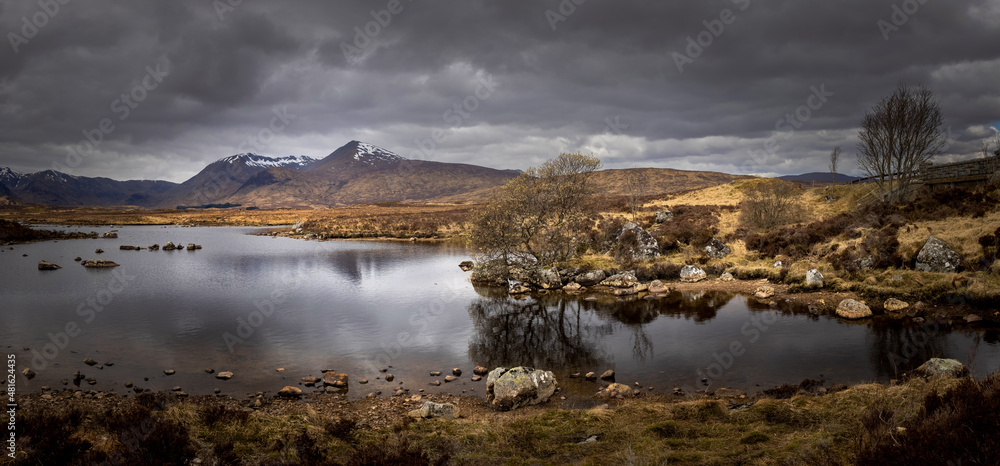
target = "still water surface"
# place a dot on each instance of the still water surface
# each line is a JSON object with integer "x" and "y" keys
{"x": 252, "y": 304}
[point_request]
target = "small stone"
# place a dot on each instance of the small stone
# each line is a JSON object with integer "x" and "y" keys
{"x": 456, "y": 372}
{"x": 209, "y": 371}
{"x": 590, "y": 376}
{"x": 176, "y": 389}
{"x": 763, "y": 292}
{"x": 180, "y": 394}
{"x": 477, "y": 378}
{"x": 435, "y": 373}
{"x": 436, "y": 383}
{"x": 608, "y": 375}
{"x": 972, "y": 318}
{"x": 169, "y": 371}
{"x": 89, "y": 362}
{"x": 363, "y": 381}
{"x": 128, "y": 384}
{"x": 450, "y": 378}
{"x": 480, "y": 370}
{"x": 290, "y": 392}
{"x": 225, "y": 375}
{"x": 389, "y": 377}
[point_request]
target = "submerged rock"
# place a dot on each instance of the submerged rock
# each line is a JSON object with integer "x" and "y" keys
{"x": 46, "y": 265}
{"x": 615, "y": 391}
{"x": 335, "y": 379}
{"x": 98, "y": 263}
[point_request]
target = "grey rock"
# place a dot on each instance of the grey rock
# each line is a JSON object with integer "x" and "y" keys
{"x": 692, "y": 273}
{"x": 935, "y": 367}
{"x": 716, "y": 249}
{"x": 621, "y": 280}
{"x": 814, "y": 278}
{"x": 937, "y": 256}
{"x": 520, "y": 386}
{"x": 430, "y": 410}
{"x": 646, "y": 248}
{"x": 664, "y": 216}
{"x": 224, "y": 375}
{"x": 590, "y": 278}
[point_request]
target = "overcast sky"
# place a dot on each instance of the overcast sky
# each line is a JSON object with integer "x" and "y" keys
{"x": 180, "y": 84}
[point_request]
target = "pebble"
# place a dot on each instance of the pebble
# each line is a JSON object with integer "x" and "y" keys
{"x": 436, "y": 383}
{"x": 435, "y": 373}
{"x": 450, "y": 378}
{"x": 389, "y": 377}
{"x": 456, "y": 372}
{"x": 169, "y": 372}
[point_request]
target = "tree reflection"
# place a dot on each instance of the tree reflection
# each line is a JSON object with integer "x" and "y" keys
{"x": 513, "y": 332}
{"x": 558, "y": 330}
{"x": 899, "y": 347}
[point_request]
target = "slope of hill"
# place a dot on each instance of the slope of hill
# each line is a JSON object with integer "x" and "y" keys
{"x": 657, "y": 181}
{"x": 55, "y": 188}
{"x": 225, "y": 176}
{"x": 360, "y": 173}
{"x": 820, "y": 177}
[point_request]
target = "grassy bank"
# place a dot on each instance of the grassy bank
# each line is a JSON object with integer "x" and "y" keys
{"x": 917, "y": 422}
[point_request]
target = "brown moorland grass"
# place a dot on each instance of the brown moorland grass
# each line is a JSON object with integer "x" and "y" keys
{"x": 939, "y": 418}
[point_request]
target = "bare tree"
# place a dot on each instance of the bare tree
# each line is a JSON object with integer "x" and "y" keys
{"x": 899, "y": 133}
{"x": 834, "y": 158}
{"x": 769, "y": 203}
{"x": 635, "y": 189}
{"x": 532, "y": 219}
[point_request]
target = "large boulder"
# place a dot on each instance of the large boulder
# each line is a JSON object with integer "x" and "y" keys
{"x": 937, "y": 256}
{"x": 853, "y": 309}
{"x": 692, "y": 273}
{"x": 521, "y": 386}
{"x": 936, "y": 367}
{"x": 814, "y": 278}
{"x": 716, "y": 249}
{"x": 664, "y": 216}
{"x": 590, "y": 278}
{"x": 549, "y": 278}
{"x": 646, "y": 246}
{"x": 621, "y": 280}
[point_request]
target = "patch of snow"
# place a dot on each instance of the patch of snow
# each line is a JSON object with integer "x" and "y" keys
{"x": 254, "y": 160}
{"x": 371, "y": 154}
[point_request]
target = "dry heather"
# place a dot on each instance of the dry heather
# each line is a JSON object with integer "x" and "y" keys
{"x": 917, "y": 422}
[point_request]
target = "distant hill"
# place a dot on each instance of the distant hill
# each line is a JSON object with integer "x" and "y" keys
{"x": 356, "y": 173}
{"x": 656, "y": 181}
{"x": 361, "y": 173}
{"x": 224, "y": 177}
{"x": 820, "y": 177}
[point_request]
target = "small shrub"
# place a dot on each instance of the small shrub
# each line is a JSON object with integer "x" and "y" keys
{"x": 665, "y": 429}
{"x": 754, "y": 438}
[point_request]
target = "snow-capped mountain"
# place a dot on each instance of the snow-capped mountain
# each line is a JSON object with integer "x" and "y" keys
{"x": 260, "y": 161}
{"x": 371, "y": 154}
{"x": 10, "y": 178}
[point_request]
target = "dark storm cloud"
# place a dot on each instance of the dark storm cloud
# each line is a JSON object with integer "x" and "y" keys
{"x": 620, "y": 79}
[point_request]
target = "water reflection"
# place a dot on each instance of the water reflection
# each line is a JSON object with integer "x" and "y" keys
{"x": 547, "y": 333}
